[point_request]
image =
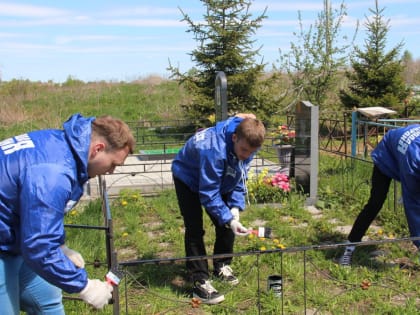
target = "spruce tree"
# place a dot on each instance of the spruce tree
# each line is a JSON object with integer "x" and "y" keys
{"x": 376, "y": 76}
{"x": 224, "y": 44}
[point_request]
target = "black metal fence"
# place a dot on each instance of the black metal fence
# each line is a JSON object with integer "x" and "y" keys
{"x": 334, "y": 143}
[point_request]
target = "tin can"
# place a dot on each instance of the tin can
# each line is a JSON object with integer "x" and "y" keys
{"x": 275, "y": 284}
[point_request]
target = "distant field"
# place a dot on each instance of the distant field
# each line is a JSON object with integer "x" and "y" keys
{"x": 26, "y": 105}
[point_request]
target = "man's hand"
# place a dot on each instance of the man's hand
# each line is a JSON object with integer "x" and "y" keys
{"x": 235, "y": 213}
{"x": 96, "y": 293}
{"x": 74, "y": 256}
{"x": 238, "y": 228}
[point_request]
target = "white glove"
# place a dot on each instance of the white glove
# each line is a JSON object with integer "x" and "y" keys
{"x": 238, "y": 228}
{"x": 97, "y": 293}
{"x": 74, "y": 256}
{"x": 235, "y": 213}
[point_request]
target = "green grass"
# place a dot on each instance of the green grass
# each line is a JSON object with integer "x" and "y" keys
{"x": 29, "y": 105}
{"x": 152, "y": 228}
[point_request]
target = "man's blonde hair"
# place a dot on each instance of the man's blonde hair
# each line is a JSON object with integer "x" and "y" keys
{"x": 252, "y": 130}
{"x": 115, "y": 132}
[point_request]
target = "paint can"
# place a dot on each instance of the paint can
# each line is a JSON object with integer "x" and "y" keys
{"x": 275, "y": 284}
{"x": 264, "y": 232}
{"x": 112, "y": 278}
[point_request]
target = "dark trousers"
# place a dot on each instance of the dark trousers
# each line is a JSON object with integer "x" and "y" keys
{"x": 192, "y": 212}
{"x": 378, "y": 193}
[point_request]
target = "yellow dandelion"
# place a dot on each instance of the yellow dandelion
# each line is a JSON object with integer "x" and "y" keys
{"x": 73, "y": 212}
{"x": 281, "y": 246}
{"x": 380, "y": 232}
{"x": 250, "y": 235}
{"x": 124, "y": 203}
{"x": 276, "y": 241}
{"x": 263, "y": 248}
{"x": 391, "y": 236}
{"x": 125, "y": 234}
{"x": 134, "y": 196}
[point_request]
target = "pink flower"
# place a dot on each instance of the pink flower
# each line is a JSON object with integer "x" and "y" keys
{"x": 285, "y": 186}
{"x": 281, "y": 181}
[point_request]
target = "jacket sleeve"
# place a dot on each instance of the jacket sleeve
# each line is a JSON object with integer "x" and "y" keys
{"x": 210, "y": 181}
{"x": 412, "y": 211}
{"x": 45, "y": 191}
{"x": 237, "y": 197}
{"x": 410, "y": 184}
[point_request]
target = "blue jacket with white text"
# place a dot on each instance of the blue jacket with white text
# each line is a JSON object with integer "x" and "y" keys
{"x": 208, "y": 165}
{"x": 398, "y": 157}
{"x": 42, "y": 177}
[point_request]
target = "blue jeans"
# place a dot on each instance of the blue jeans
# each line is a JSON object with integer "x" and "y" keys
{"x": 22, "y": 289}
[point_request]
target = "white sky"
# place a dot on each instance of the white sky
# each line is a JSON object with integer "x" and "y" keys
{"x": 129, "y": 39}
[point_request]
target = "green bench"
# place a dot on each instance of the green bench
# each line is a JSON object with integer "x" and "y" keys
{"x": 158, "y": 154}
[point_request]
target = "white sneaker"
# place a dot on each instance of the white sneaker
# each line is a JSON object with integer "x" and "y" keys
{"x": 226, "y": 274}
{"x": 204, "y": 291}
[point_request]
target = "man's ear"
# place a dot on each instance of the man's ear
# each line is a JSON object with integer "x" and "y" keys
{"x": 97, "y": 147}
{"x": 234, "y": 137}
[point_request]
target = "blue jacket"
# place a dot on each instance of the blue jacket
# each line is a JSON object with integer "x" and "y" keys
{"x": 208, "y": 165}
{"x": 398, "y": 157}
{"x": 42, "y": 177}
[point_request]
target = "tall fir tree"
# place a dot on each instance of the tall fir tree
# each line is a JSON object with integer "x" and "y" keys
{"x": 224, "y": 44}
{"x": 376, "y": 78}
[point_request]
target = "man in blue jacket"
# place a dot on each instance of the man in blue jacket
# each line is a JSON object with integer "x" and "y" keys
{"x": 396, "y": 157}
{"x": 42, "y": 177}
{"x": 210, "y": 172}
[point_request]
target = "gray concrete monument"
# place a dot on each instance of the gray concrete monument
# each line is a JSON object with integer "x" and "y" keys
{"x": 306, "y": 150}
